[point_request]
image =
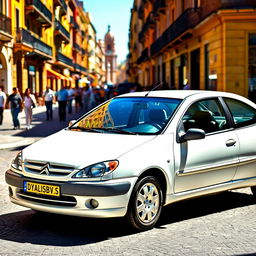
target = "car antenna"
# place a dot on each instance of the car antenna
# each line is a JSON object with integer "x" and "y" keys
{"x": 155, "y": 87}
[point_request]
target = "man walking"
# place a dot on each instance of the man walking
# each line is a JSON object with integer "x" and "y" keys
{"x": 16, "y": 106}
{"x": 2, "y": 104}
{"x": 62, "y": 96}
{"x": 49, "y": 98}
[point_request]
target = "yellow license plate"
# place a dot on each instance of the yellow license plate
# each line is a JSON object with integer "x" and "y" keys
{"x": 43, "y": 189}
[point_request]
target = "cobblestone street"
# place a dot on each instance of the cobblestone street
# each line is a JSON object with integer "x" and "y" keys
{"x": 222, "y": 224}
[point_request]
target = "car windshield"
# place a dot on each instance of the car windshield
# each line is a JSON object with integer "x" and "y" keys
{"x": 131, "y": 115}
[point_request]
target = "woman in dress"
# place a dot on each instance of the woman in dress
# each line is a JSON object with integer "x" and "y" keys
{"x": 29, "y": 104}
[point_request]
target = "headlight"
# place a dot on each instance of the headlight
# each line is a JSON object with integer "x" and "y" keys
{"x": 97, "y": 170}
{"x": 17, "y": 162}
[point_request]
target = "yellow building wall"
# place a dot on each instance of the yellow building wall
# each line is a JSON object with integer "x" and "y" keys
{"x": 236, "y": 48}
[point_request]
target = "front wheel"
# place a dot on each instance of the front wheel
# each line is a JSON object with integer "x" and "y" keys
{"x": 145, "y": 203}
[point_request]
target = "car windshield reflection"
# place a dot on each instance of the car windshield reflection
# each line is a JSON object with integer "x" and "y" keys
{"x": 134, "y": 115}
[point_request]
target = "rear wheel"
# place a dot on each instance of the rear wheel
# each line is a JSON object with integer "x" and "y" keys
{"x": 145, "y": 204}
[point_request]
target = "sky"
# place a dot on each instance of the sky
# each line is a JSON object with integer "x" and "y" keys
{"x": 115, "y": 13}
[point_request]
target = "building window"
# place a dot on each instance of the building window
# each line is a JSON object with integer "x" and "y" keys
{"x": 206, "y": 66}
{"x": 197, "y": 3}
{"x": 17, "y": 16}
{"x": 252, "y": 67}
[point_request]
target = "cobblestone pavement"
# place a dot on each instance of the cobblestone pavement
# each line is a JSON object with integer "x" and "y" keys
{"x": 223, "y": 224}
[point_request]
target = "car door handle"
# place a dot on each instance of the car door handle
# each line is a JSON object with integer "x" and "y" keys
{"x": 230, "y": 143}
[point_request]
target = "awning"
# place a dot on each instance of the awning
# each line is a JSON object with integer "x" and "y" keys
{"x": 53, "y": 74}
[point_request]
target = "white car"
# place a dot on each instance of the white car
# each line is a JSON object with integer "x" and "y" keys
{"x": 137, "y": 152}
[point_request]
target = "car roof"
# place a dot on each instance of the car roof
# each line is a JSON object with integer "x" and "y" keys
{"x": 179, "y": 94}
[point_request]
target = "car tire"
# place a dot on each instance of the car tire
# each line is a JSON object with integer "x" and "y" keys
{"x": 145, "y": 204}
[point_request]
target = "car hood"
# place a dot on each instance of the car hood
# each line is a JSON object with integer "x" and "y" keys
{"x": 80, "y": 149}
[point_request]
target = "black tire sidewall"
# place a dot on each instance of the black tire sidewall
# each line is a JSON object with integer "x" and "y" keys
{"x": 132, "y": 213}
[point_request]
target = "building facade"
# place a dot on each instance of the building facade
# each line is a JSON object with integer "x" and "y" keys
{"x": 209, "y": 44}
{"x": 5, "y": 45}
{"x": 44, "y": 43}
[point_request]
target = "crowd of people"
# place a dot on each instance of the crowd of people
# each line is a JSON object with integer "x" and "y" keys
{"x": 82, "y": 98}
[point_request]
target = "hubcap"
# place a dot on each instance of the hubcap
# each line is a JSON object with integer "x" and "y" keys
{"x": 147, "y": 204}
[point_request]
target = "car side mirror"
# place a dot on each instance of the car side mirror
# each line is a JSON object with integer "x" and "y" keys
{"x": 192, "y": 134}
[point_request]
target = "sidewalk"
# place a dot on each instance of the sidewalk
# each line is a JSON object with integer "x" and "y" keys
{"x": 41, "y": 128}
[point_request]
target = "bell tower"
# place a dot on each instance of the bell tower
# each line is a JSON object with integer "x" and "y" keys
{"x": 110, "y": 57}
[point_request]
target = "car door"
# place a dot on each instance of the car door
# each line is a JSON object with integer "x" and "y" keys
{"x": 244, "y": 117}
{"x": 209, "y": 161}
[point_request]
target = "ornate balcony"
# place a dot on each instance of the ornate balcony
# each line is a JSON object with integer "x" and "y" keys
{"x": 159, "y": 7}
{"x": 144, "y": 56}
{"x": 63, "y": 5}
{"x": 74, "y": 23}
{"x": 62, "y": 59}
{"x": 77, "y": 47}
{"x": 5, "y": 28}
{"x": 25, "y": 41}
{"x": 61, "y": 32}
{"x": 39, "y": 11}
{"x": 80, "y": 68}
{"x": 237, "y": 4}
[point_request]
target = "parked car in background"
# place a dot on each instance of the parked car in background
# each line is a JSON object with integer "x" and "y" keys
{"x": 136, "y": 153}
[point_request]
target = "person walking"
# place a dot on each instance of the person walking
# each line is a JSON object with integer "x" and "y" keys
{"x": 2, "y": 104}
{"x": 62, "y": 96}
{"x": 15, "y": 101}
{"x": 29, "y": 104}
{"x": 71, "y": 93}
{"x": 49, "y": 98}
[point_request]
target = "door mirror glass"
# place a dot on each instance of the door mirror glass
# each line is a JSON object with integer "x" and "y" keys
{"x": 192, "y": 134}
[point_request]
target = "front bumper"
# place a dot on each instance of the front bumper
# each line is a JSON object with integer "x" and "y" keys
{"x": 112, "y": 196}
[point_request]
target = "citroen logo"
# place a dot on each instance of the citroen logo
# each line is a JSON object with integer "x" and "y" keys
{"x": 45, "y": 170}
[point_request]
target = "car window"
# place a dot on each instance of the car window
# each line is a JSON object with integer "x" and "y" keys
{"x": 242, "y": 113}
{"x": 140, "y": 115}
{"x": 207, "y": 115}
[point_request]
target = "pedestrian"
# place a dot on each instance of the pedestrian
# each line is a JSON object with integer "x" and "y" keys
{"x": 78, "y": 98}
{"x": 29, "y": 104}
{"x": 86, "y": 97}
{"x": 15, "y": 101}
{"x": 186, "y": 85}
{"x": 49, "y": 98}
{"x": 71, "y": 93}
{"x": 62, "y": 96}
{"x": 2, "y": 104}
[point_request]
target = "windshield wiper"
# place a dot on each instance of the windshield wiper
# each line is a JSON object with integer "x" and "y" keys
{"x": 84, "y": 129}
{"x": 116, "y": 130}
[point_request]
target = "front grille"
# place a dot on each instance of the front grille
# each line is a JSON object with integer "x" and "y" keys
{"x": 47, "y": 169}
{"x": 49, "y": 200}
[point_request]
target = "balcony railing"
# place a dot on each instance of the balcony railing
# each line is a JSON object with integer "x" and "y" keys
{"x": 25, "y": 37}
{"x": 159, "y": 6}
{"x": 77, "y": 47}
{"x": 5, "y": 24}
{"x": 41, "y": 9}
{"x": 42, "y": 47}
{"x": 62, "y": 58}
{"x": 190, "y": 18}
{"x": 79, "y": 68}
{"x": 144, "y": 56}
{"x": 59, "y": 27}
{"x": 62, "y": 4}
{"x": 74, "y": 23}
{"x": 237, "y": 4}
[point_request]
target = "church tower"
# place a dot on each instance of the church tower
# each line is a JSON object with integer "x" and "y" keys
{"x": 110, "y": 57}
